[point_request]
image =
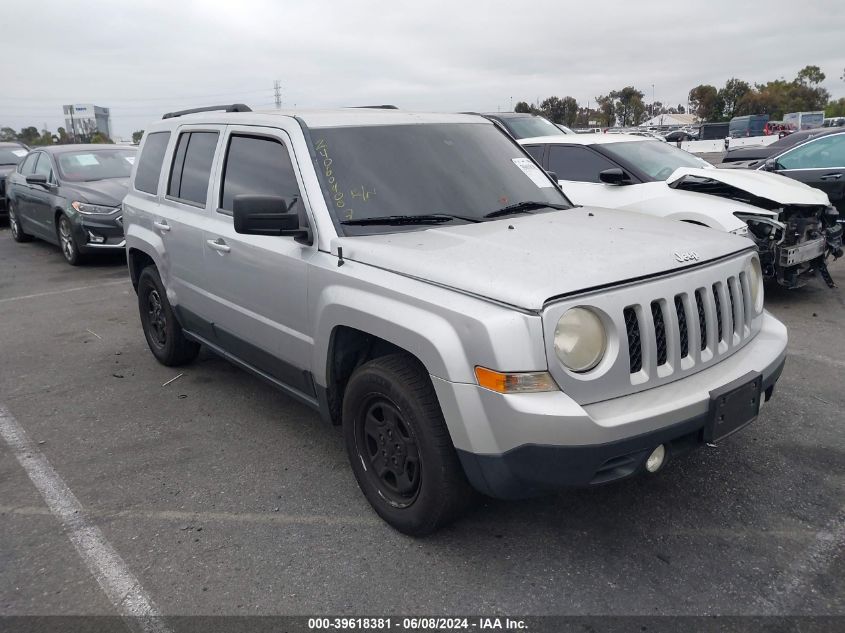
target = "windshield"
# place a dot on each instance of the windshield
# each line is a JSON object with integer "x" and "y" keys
{"x": 530, "y": 126}
{"x": 654, "y": 158}
{"x": 97, "y": 164}
{"x": 459, "y": 169}
{"x": 11, "y": 156}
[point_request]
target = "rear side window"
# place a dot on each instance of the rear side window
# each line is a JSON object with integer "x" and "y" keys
{"x": 577, "y": 163}
{"x": 191, "y": 169}
{"x": 28, "y": 165}
{"x": 149, "y": 164}
{"x": 258, "y": 166}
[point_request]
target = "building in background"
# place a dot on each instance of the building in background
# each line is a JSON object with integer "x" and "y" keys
{"x": 83, "y": 120}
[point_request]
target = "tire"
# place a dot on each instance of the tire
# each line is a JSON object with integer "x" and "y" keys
{"x": 67, "y": 242}
{"x": 18, "y": 233}
{"x": 163, "y": 333}
{"x": 417, "y": 484}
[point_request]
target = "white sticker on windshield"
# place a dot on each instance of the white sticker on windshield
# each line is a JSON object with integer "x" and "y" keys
{"x": 533, "y": 172}
{"x": 86, "y": 159}
{"x": 19, "y": 152}
{"x": 130, "y": 159}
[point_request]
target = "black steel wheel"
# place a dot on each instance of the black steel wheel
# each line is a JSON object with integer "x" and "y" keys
{"x": 164, "y": 335}
{"x": 399, "y": 446}
{"x": 387, "y": 444}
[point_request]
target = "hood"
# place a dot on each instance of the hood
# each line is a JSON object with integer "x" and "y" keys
{"x": 542, "y": 256}
{"x": 757, "y": 152}
{"x": 108, "y": 192}
{"x": 749, "y": 186}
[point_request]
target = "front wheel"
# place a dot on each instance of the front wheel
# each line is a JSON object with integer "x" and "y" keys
{"x": 67, "y": 242}
{"x": 399, "y": 447}
{"x": 18, "y": 233}
{"x": 163, "y": 333}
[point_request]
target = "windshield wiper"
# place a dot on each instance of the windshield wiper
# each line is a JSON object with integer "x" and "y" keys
{"x": 434, "y": 218}
{"x": 526, "y": 206}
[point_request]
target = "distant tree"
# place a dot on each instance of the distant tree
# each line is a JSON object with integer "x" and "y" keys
{"x": 810, "y": 76}
{"x": 731, "y": 95}
{"x": 835, "y": 108}
{"x": 99, "y": 137}
{"x": 137, "y": 136}
{"x": 8, "y": 134}
{"x": 560, "y": 110}
{"x": 63, "y": 137}
{"x": 521, "y": 106}
{"x": 704, "y": 102}
{"x": 681, "y": 109}
{"x": 605, "y": 112}
{"x": 628, "y": 106}
{"x": 29, "y": 135}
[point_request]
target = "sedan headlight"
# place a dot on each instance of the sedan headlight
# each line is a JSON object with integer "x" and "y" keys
{"x": 92, "y": 209}
{"x": 755, "y": 282}
{"x": 580, "y": 339}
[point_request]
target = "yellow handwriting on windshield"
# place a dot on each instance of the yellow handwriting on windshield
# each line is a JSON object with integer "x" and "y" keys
{"x": 336, "y": 192}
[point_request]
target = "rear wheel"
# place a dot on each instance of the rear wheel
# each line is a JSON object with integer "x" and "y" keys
{"x": 163, "y": 333}
{"x": 18, "y": 233}
{"x": 399, "y": 447}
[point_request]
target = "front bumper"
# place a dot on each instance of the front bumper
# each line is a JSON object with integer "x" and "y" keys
{"x": 521, "y": 445}
{"x": 88, "y": 230}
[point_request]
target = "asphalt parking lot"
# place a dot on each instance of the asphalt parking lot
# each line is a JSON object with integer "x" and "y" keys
{"x": 224, "y": 497}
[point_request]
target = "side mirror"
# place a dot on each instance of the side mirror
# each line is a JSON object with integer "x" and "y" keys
{"x": 552, "y": 175}
{"x": 266, "y": 215}
{"x": 771, "y": 164}
{"x": 614, "y": 176}
{"x": 37, "y": 179}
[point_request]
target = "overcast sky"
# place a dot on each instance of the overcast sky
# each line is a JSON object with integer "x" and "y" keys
{"x": 149, "y": 56}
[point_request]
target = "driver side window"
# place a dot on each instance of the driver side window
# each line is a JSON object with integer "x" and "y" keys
{"x": 44, "y": 167}
{"x": 822, "y": 153}
{"x": 28, "y": 165}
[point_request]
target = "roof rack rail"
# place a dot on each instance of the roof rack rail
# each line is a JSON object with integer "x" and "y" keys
{"x": 378, "y": 107}
{"x": 232, "y": 107}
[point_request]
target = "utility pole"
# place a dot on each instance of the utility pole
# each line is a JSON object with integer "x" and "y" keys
{"x": 277, "y": 89}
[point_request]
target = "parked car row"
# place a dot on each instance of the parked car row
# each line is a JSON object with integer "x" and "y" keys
{"x": 70, "y": 195}
{"x": 425, "y": 282}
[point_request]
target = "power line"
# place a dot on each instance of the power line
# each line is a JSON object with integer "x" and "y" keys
{"x": 277, "y": 90}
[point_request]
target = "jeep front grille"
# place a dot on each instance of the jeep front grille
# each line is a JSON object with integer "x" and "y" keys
{"x": 712, "y": 320}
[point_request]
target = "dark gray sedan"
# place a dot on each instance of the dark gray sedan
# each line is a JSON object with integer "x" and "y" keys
{"x": 70, "y": 195}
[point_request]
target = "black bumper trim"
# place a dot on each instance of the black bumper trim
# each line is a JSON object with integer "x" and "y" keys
{"x": 534, "y": 469}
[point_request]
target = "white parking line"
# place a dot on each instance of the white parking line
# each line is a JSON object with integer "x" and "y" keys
{"x": 119, "y": 584}
{"x": 64, "y": 291}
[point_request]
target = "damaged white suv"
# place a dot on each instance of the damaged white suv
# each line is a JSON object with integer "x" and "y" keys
{"x": 417, "y": 279}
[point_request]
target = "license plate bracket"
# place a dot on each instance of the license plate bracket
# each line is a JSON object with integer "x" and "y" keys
{"x": 733, "y": 406}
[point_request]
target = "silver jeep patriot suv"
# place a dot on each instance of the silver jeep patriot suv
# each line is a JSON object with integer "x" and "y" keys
{"x": 420, "y": 281}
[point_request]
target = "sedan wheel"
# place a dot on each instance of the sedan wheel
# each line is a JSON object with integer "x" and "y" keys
{"x": 15, "y": 225}
{"x": 68, "y": 243}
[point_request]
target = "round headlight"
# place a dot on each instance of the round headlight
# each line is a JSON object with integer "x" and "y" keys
{"x": 580, "y": 339}
{"x": 755, "y": 282}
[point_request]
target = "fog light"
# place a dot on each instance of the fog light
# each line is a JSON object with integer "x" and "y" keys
{"x": 95, "y": 239}
{"x": 656, "y": 459}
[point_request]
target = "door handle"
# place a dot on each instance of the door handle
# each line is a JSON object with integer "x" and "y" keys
{"x": 161, "y": 226}
{"x": 831, "y": 177}
{"x": 219, "y": 245}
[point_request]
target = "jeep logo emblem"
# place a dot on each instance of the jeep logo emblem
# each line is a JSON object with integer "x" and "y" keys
{"x": 688, "y": 256}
